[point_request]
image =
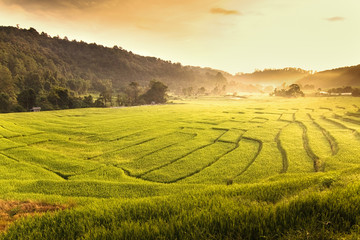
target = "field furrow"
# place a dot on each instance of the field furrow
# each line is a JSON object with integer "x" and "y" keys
{"x": 319, "y": 147}
{"x": 190, "y": 164}
{"x": 317, "y": 164}
{"x": 14, "y": 169}
{"x": 292, "y": 141}
{"x": 229, "y": 166}
{"x": 282, "y": 151}
{"x": 348, "y": 142}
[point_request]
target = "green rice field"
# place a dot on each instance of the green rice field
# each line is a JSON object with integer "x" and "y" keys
{"x": 209, "y": 168}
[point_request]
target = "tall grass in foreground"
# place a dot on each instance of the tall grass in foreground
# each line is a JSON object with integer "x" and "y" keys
{"x": 215, "y": 214}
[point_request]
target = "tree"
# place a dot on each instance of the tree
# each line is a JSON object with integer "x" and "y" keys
{"x": 88, "y": 101}
{"x": 27, "y": 98}
{"x": 106, "y": 96}
{"x": 59, "y": 97}
{"x": 5, "y": 103}
{"x": 187, "y": 91}
{"x": 294, "y": 88}
{"x": 215, "y": 91}
{"x": 132, "y": 92}
{"x": 122, "y": 99}
{"x": 220, "y": 79}
{"x": 356, "y": 92}
{"x": 201, "y": 91}
{"x": 156, "y": 93}
{"x": 99, "y": 102}
{"x": 6, "y": 82}
{"x": 34, "y": 81}
{"x": 292, "y": 91}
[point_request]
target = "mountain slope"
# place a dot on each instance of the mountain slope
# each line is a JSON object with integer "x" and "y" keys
{"x": 346, "y": 76}
{"x": 32, "y": 60}
{"x": 50, "y": 62}
{"x": 273, "y": 76}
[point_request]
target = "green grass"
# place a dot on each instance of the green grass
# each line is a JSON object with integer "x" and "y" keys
{"x": 190, "y": 164}
{"x": 198, "y": 169}
{"x": 12, "y": 169}
{"x": 229, "y": 166}
{"x": 298, "y": 159}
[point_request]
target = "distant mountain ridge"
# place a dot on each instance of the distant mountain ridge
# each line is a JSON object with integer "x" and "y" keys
{"x": 334, "y": 78}
{"x": 273, "y": 76}
{"x": 340, "y": 77}
{"x": 35, "y": 60}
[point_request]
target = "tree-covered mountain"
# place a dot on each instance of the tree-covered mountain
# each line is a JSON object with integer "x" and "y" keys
{"x": 41, "y": 62}
{"x": 37, "y": 69}
{"x": 54, "y": 73}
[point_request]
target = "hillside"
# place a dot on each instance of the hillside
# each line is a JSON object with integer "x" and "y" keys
{"x": 340, "y": 77}
{"x": 272, "y": 76}
{"x": 55, "y": 73}
{"x": 334, "y": 78}
{"x": 42, "y": 62}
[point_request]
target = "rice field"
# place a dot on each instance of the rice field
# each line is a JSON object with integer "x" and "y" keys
{"x": 198, "y": 146}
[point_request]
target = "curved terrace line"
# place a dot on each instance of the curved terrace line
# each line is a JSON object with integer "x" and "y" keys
{"x": 282, "y": 150}
{"x": 331, "y": 140}
{"x": 237, "y": 143}
{"x": 317, "y": 164}
{"x": 254, "y": 158}
{"x": 181, "y": 157}
{"x": 63, "y": 176}
{"x": 167, "y": 146}
{"x": 356, "y": 133}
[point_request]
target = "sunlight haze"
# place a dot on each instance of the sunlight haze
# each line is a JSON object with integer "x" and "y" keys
{"x": 231, "y": 35}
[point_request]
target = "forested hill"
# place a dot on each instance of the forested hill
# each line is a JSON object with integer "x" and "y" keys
{"x": 340, "y": 77}
{"x": 38, "y": 61}
{"x": 273, "y": 76}
{"x": 334, "y": 78}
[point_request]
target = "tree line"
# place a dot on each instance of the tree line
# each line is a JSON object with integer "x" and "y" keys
{"x": 293, "y": 90}
{"x": 63, "y": 98}
{"x": 355, "y": 92}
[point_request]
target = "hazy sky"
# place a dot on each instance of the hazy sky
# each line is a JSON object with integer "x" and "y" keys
{"x": 231, "y": 35}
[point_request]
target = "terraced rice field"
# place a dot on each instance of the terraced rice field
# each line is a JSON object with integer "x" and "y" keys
{"x": 202, "y": 141}
{"x": 162, "y": 150}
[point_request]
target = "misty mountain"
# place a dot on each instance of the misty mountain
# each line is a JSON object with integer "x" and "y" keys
{"x": 340, "y": 77}
{"x": 309, "y": 80}
{"x": 273, "y": 77}
{"x": 29, "y": 59}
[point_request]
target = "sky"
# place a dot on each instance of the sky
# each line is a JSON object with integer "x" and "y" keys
{"x": 231, "y": 35}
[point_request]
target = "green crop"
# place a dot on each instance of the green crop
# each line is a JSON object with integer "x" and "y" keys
{"x": 205, "y": 168}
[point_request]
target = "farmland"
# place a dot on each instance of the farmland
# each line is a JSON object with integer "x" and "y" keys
{"x": 202, "y": 168}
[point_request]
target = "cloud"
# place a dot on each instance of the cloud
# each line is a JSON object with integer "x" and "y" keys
{"x": 80, "y": 4}
{"x": 335, "y": 19}
{"x": 224, "y": 11}
{"x": 175, "y": 17}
